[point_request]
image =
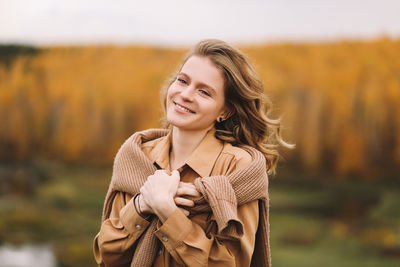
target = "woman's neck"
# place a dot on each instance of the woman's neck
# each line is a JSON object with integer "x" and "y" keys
{"x": 183, "y": 143}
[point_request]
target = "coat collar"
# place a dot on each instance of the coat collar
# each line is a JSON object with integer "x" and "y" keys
{"x": 201, "y": 160}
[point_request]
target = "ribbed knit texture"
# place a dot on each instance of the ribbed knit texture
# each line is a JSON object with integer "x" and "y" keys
{"x": 220, "y": 195}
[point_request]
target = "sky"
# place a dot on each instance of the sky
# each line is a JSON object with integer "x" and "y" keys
{"x": 184, "y": 22}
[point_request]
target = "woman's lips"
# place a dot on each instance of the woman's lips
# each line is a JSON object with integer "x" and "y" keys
{"x": 183, "y": 108}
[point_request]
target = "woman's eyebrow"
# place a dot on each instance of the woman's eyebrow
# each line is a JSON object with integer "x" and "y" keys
{"x": 200, "y": 83}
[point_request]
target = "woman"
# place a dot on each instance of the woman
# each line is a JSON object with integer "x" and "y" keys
{"x": 196, "y": 193}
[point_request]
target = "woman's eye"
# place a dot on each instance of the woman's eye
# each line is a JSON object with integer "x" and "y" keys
{"x": 204, "y": 92}
{"x": 182, "y": 81}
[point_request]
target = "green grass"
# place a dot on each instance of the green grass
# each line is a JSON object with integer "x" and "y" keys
{"x": 65, "y": 211}
{"x": 334, "y": 223}
{"x": 313, "y": 223}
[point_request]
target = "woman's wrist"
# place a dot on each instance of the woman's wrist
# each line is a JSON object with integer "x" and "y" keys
{"x": 139, "y": 208}
{"x": 162, "y": 206}
{"x": 165, "y": 209}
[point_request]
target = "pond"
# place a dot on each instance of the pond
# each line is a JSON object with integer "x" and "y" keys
{"x": 27, "y": 255}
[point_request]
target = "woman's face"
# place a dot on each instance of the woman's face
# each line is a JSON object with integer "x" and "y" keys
{"x": 196, "y": 98}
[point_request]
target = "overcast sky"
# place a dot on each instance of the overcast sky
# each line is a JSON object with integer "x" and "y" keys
{"x": 184, "y": 22}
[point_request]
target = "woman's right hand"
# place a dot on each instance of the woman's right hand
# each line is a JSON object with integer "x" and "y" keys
{"x": 184, "y": 190}
{"x": 158, "y": 194}
{"x": 143, "y": 207}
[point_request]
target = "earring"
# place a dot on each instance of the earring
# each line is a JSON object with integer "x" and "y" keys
{"x": 220, "y": 119}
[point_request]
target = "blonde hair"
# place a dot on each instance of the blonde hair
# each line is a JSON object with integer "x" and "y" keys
{"x": 244, "y": 97}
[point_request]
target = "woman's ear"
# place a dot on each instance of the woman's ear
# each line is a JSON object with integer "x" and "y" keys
{"x": 226, "y": 114}
{"x": 229, "y": 112}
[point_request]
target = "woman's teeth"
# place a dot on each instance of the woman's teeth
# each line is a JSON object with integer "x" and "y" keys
{"x": 184, "y": 109}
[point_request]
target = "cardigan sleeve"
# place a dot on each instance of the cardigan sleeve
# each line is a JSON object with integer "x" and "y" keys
{"x": 113, "y": 245}
{"x": 189, "y": 244}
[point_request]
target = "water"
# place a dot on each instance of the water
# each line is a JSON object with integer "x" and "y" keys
{"x": 27, "y": 256}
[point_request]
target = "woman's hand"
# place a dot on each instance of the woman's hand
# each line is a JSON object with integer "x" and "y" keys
{"x": 185, "y": 190}
{"x": 158, "y": 194}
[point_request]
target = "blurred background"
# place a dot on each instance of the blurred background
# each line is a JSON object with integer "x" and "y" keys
{"x": 79, "y": 77}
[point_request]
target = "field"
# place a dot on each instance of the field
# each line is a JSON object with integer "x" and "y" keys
{"x": 314, "y": 222}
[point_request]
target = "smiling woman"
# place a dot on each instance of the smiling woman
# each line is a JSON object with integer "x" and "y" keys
{"x": 196, "y": 98}
{"x": 196, "y": 193}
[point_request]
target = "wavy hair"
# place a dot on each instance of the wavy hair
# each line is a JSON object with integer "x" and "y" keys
{"x": 244, "y": 97}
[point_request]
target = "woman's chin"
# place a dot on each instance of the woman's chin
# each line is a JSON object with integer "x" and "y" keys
{"x": 188, "y": 125}
{"x": 178, "y": 123}
{"x": 182, "y": 126}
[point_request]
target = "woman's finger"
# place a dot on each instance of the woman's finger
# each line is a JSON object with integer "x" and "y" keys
{"x": 184, "y": 184}
{"x": 187, "y": 191}
{"x": 159, "y": 171}
{"x": 183, "y": 202}
{"x": 187, "y": 213}
{"x": 175, "y": 172}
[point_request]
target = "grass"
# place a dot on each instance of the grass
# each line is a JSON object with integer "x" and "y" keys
{"x": 334, "y": 223}
{"x": 65, "y": 211}
{"x": 313, "y": 222}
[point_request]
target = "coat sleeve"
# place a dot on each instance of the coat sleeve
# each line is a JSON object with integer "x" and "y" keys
{"x": 189, "y": 244}
{"x": 114, "y": 244}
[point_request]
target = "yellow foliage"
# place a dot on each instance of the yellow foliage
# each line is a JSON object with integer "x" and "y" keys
{"x": 79, "y": 103}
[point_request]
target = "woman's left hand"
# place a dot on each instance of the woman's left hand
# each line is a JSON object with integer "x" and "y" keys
{"x": 185, "y": 190}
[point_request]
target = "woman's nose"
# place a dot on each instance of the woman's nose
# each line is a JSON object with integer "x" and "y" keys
{"x": 188, "y": 93}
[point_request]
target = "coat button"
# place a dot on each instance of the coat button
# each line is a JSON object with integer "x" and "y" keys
{"x": 138, "y": 226}
{"x": 165, "y": 238}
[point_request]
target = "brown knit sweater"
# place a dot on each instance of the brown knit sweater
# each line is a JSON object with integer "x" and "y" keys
{"x": 220, "y": 194}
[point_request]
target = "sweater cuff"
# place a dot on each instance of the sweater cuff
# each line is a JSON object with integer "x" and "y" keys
{"x": 174, "y": 230}
{"x": 131, "y": 219}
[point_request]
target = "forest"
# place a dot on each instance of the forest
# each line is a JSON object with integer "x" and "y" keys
{"x": 339, "y": 102}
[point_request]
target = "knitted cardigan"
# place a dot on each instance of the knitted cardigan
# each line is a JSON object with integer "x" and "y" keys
{"x": 220, "y": 195}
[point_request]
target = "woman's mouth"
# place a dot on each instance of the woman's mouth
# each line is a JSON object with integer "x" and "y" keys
{"x": 185, "y": 109}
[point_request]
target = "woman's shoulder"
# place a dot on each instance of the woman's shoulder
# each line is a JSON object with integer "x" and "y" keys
{"x": 146, "y": 136}
{"x": 237, "y": 156}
